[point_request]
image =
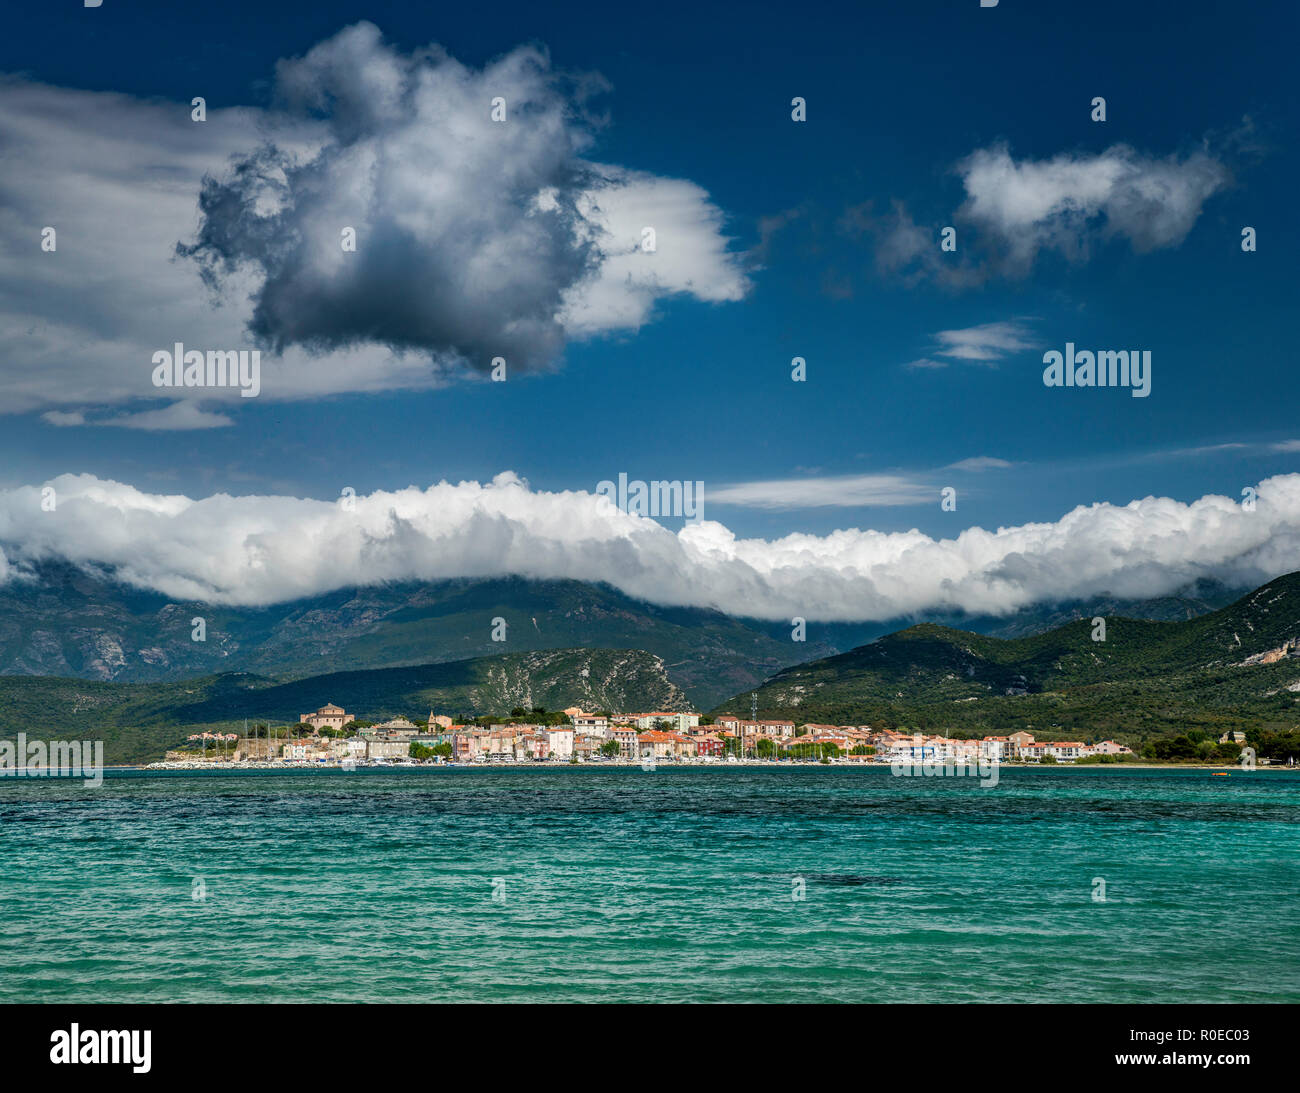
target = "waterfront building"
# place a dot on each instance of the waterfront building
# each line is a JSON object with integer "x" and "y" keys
{"x": 328, "y": 716}
{"x": 560, "y": 741}
{"x": 1019, "y": 740}
{"x": 397, "y": 726}
{"x": 536, "y": 746}
{"x": 662, "y": 721}
{"x": 660, "y": 745}
{"x": 627, "y": 742}
{"x": 708, "y": 745}
{"x": 590, "y": 724}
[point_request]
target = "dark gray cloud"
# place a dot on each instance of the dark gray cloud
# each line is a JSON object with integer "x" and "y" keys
{"x": 468, "y": 232}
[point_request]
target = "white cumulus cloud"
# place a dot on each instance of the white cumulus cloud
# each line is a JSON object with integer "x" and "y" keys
{"x": 1057, "y": 204}
{"x": 1016, "y": 209}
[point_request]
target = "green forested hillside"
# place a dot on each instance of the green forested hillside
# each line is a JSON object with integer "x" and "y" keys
{"x": 140, "y": 721}
{"x": 1145, "y": 678}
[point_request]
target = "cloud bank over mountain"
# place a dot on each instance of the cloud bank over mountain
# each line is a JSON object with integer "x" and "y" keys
{"x": 264, "y": 549}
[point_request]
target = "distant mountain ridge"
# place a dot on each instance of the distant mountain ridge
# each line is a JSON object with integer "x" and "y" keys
{"x": 73, "y": 623}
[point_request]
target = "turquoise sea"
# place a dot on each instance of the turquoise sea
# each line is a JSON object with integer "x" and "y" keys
{"x": 604, "y": 884}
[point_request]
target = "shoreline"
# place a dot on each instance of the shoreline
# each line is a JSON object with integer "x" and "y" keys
{"x": 203, "y": 767}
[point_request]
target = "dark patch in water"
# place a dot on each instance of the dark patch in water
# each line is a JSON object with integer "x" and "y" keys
{"x": 849, "y": 880}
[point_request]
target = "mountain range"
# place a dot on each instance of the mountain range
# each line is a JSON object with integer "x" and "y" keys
{"x": 1228, "y": 669}
{"x": 60, "y": 620}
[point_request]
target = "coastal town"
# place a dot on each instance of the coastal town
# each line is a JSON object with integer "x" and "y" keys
{"x": 331, "y": 736}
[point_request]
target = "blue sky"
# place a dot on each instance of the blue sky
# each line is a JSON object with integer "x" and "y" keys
{"x": 898, "y": 96}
